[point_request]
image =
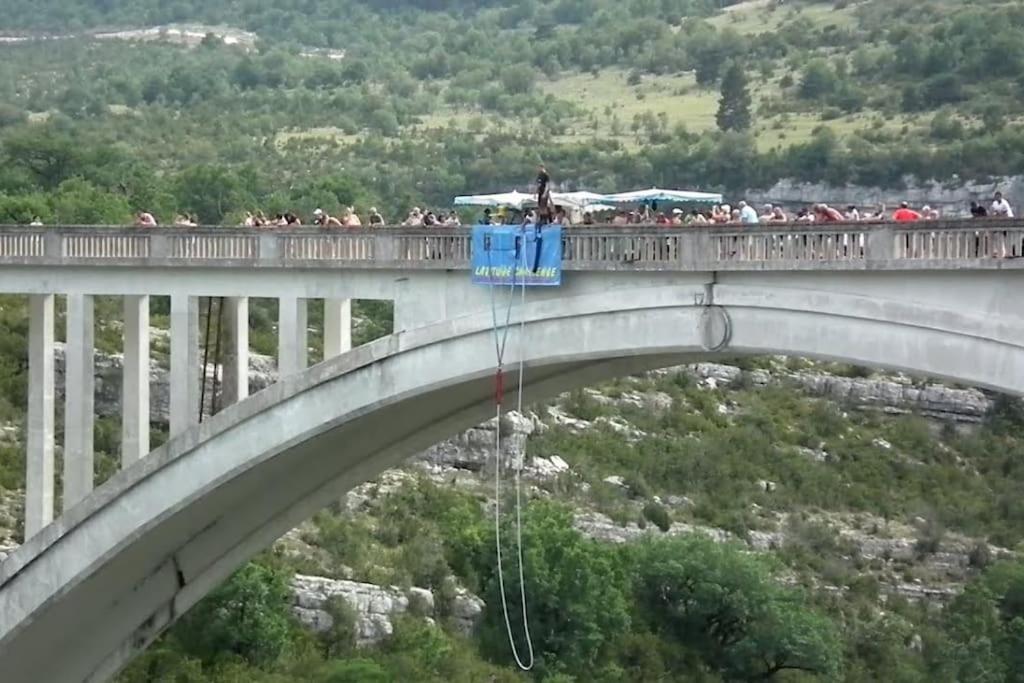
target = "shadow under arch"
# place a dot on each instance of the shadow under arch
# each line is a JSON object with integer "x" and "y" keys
{"x": 100, "y": 583}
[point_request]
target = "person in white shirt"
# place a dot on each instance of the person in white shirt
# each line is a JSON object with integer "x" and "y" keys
{"x": 748, "y": 216}
{"x": 145, "y": 219}
{"x": 1000, "y": 207}
{"x": 415, "y": 218}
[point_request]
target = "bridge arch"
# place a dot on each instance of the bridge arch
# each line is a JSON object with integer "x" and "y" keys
{"x": 93, "y": 589}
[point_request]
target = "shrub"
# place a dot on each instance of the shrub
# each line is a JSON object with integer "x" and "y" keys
{"x": 355, "y": 671}
{"x": 340, "y": 639}
{"x": 980, "y": 556}
{"x": 658, "y": 515}
{"x": 929, "y": 538}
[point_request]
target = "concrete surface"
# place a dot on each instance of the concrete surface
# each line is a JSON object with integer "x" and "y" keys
{"x": 104, "y": 580}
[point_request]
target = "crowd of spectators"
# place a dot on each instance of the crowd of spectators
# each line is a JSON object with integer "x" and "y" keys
{"x": 745, "y": 214}
{"x": 719, "y": 214}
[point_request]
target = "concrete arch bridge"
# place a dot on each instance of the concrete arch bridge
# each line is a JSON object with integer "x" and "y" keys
{"x": 93, "y": 587}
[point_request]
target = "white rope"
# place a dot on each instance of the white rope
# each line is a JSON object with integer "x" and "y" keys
{"x": 500, "y": 351}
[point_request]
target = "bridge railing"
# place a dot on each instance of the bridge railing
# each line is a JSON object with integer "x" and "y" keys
{"x": 958, "y": 243}
{"x": 732, "y": 247}
{"x": 846, "y": 243}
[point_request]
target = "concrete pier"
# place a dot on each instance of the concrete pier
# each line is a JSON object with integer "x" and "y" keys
{"x": 292, "y": 356}
{"x": 184, "y": 363}
{"x": 39, "y": 449}
{"x": 337, "y": 327}
{"x": 236, "y": 357}
{"x": 135, "y": 381}
{"x": 78, "y": 400}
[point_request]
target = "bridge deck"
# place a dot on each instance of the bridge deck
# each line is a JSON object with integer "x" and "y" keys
{"x": 839, "y": 246}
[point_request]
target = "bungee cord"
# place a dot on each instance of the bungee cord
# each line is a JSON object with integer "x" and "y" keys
{"x": 500, "y": 344}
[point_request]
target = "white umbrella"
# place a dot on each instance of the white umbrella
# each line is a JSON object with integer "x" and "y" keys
{"x": 512, "y": 200}
{"x": 656, "y": 194}
{"x": 580, "y": 199}
{"x": 598, "y": 208}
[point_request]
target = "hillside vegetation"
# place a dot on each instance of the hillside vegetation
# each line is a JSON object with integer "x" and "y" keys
{"x": 785, "y": 536}
{"x": 434, "y": 99}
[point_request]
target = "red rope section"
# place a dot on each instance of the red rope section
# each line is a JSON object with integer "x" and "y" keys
{"x": 499, "y": 386}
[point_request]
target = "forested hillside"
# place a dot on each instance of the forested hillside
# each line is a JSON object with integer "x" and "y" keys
{"x": 769, "y": 519}
{"x": 419, "y": 101}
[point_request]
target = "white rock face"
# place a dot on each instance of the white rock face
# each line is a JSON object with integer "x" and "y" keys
{"x": 466, "y": 611}
{"x": 601, "y": 528}
{"x": 656, "y": 401}
{"x": 562, "y": 419}
{"x": 7, "y": 546}
{"x": 889, "y": 395}
{"x": 375, "y": 606}
{"x": 622, "y": 428}
{"x": 108, "y": 370}
{"x": 472, "y": 449}
{"x": 547, "y": 468}
{"x": 933, "y": 400}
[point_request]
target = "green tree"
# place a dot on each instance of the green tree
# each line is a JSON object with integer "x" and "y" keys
{"x": 22, "y": 208}
{"x": 726, "y": 607}
{"x": 734, "y": 105}
{"x": 576, "y": 591}
{"x": 355, "y": 671}
{"x": 818, "y": 80}
{"x": 246, "y": 617}
{"x": 79, "y": 202}
{"x": 211, "y": 192}
{"x": 49, "y": 156}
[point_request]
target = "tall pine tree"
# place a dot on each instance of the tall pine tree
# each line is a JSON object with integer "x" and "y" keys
{"x": 734, "y": 107}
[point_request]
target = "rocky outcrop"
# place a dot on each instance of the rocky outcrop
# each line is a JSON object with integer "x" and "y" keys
{"x": 654, "y": 401}
{"x": 890, "y": 394}
{"x": 12, "y": 511}
{"x": 472, "y": 449}
{"x": 109, "y": 368}
{"x": 931, "y": 400}
{"x": 602, "y": 528}
{"x": 375, "y": 607}
{"x": 947, "y": 568}
{"x": 7, "y": 546}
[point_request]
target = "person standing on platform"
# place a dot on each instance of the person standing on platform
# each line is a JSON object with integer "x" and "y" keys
{"x": 545, "y": 211}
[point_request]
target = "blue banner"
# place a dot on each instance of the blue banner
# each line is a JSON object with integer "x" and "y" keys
{"x": 511, "y": 254}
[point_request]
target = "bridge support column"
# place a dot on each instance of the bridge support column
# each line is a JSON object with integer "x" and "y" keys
{"x": 184, "y": 363}
{"x": 135, "y": 381}
{"x": 337, "y": 327}
{"x": 39, "y": 455}
{"x": 79, "y": 385}
{"x": 236, "y": 360}
{"x": 291, "y": 337}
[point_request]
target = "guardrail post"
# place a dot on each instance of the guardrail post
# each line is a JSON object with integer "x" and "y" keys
{"x": 159, "y": 246}
{"x": 385, "y": 247}
{"x": 881, "y": 244}
{"x": 689, "y": 250}
{"x": 53, "y": 245}
{"x": 270, "y": 248}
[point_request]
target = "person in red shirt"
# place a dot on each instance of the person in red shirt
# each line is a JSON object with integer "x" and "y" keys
{"x": 905, "y": 214}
